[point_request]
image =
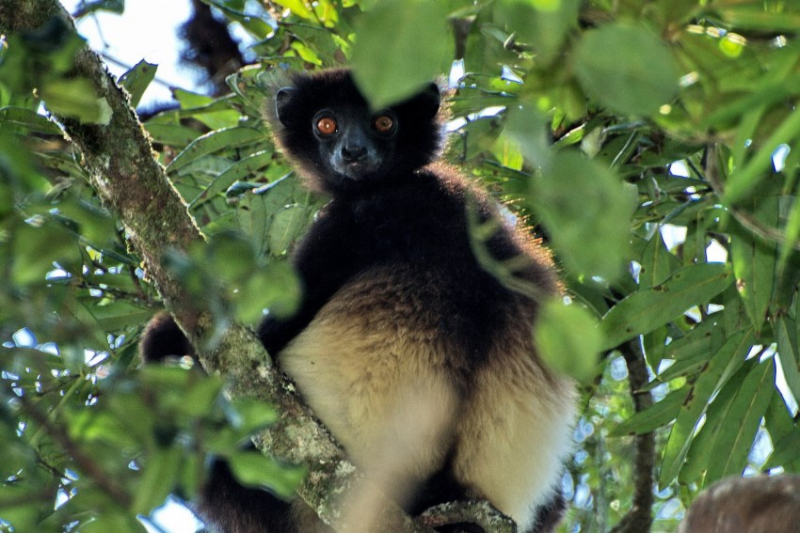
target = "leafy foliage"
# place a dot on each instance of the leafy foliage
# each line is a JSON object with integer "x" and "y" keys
{"x": 655, "y": 145}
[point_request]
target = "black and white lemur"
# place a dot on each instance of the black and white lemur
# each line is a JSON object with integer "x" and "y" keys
{"x": 398, "y": 314}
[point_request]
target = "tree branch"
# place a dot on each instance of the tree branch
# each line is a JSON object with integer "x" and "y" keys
{"x": 125, "y": 174}
{"x": 639, "y": 518}
{"x": 476, "y": 512}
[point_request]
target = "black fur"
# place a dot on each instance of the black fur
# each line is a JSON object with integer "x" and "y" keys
{"x": 391, "y": 205}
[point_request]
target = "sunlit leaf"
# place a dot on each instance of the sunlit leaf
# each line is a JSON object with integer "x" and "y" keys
{"x": 567, "y": 339}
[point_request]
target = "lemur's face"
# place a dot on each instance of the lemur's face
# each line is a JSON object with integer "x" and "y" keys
{"x": 354, "y": 143}
{"x": 326, "y": 127}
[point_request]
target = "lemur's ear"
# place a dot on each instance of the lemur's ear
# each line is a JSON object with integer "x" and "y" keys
{"x": 282, "y": 99}
{"x": 427, "y": 100}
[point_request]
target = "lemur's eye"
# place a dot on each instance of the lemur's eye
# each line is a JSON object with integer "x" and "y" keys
{"x": 326, "y": 126}
{"x": 383, "y": 123}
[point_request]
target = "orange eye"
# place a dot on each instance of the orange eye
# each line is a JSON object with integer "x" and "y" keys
{"x": 383, "y": 123}
{"x": 326, "y": 126}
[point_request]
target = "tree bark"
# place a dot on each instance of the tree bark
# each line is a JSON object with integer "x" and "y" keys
{"x": 640, "y": 517}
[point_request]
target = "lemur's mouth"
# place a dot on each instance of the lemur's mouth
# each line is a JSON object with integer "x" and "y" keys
{"x": 356, "y": 170}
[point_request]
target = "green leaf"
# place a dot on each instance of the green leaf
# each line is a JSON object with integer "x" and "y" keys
{"x": 35, "y": 249}
{"x": 201, "y": 396}
{"x": 700, "y": 453}
{"x": 93, "y": 223}
{"x": 418, "y": 53}
{"x": 255, "y": 470}
{"x": 657, "y": 415}
{"x": 754, "y": 260}
{"x": 189, "y": 100}
{"x": 543, "y": 24}
{"x": 238, "y": 171}
{"x": 786, "y": 336}
{"x": 32, "y": 121}
{"x": 693, "y": 349}
{"x": 639, "y": 85}
{"x": 118, "y": 314}
{"x": 298, "y": 7}
{"x": 567, "y": 339}
{"x": 76, "y": 98}
{"x": 214, "y": 142}
{"x": 721, "y": 366}
{"x": 587, "y": 214}
{"x": 26, "y": 514}
{"x": 525, "y": 125}
{"x": 137, "y": 79}
{"x": 644, "y": 311}
{"x": 253, "y": 219}
{"x": 160, "y": 475}
{"x": 783, "y": 432}
{"x": 740, "y": 425}
{"x": 216, "y": 113}
{"x": 745, "y": 178}
{"x": 791, "y": 235}
{"x": 275, "y": 287}
{"x": 90, "y": 6}
{"x": 230, "y": 257}
{"x": 744, "y": 17}
{"x": 256, "y": 25}
{"x": 287, "y": 225}
{"x": 171, "y": 134}
{"x": 657, "y": 263}
{"x": 115, "y": 521}
{"x": 252, "y": 415}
